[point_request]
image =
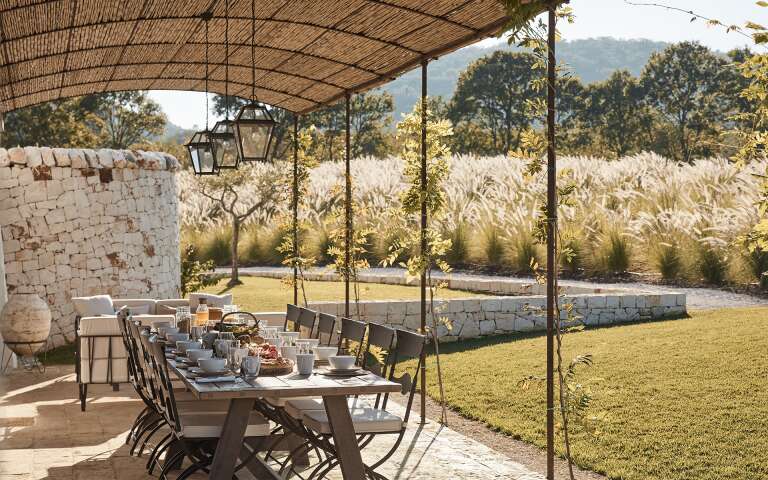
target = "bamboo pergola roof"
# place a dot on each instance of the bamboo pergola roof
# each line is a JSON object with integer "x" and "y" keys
{"x": 309, "y": 53}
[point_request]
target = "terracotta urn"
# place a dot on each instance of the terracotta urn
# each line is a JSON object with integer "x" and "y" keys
{"x": 25, "y": 323}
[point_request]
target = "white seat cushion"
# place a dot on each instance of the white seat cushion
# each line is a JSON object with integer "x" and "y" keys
{"x": 210, "y": 425}
{"x": 297, "y": 406}
{"x": 99, "y": 326}
{"x": 365, "y": 420}
{"x": 93, "y": 306}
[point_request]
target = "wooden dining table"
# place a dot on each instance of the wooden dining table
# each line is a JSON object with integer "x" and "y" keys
{"x": 243, "y": 393}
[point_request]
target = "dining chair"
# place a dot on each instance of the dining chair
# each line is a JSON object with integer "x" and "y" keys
{"x": 405, "y": 365}
{"x": 196, "y": 434}
{"x": 326, "y": 328}
{"x": 305, "y": 324}
{"x": 351, "y": 337}
{"x": 291, "y": 317}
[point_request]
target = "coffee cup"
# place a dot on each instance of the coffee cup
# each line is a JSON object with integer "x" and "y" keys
{"x": 305, "y": 362}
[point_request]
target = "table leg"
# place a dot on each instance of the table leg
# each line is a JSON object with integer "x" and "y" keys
{"x": 231, "y": 441}
{"x": 344, "y": 437}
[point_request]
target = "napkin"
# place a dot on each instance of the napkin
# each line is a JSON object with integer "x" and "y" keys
{"x": 230, "y": 378}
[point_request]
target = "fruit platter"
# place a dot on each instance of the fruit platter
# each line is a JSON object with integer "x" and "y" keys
{"x": 271, "y": 361}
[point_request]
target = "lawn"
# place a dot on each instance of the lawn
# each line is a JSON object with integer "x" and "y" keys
{"x": 260, "y": 294}
{"x": 680, "y": 399}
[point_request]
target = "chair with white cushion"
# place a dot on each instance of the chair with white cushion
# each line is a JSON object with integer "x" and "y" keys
{"x": 196, "y": 433}
{"x": 372, "y": 421}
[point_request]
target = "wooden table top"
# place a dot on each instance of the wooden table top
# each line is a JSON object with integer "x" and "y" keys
{"x": 291, "y": 385}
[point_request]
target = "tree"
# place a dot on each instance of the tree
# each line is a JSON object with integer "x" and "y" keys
{"x": 683, "y": 84}
{"x": 370, "y": 118}
{"x": 59, "y": 123}
{"x": 111, "y": 120}
{"x": 494, "y": 92}
{"x": 614, "y": 112}
{"x": 240, "y": 194}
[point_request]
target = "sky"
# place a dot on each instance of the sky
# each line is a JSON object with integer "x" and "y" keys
{"x": 594, "y": 18}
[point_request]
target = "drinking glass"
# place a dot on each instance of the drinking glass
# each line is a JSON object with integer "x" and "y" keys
{"x": 251, "y": 366}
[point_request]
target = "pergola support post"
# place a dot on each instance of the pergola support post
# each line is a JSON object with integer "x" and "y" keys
{"x": 295, "y": 208}
{"x": 551, "y": 240}
{"x": 347, "y": 206}
{"x": 423, "y": 379}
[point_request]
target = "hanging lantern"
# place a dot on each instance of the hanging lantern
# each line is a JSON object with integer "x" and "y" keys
{"x": 254, "y": 124}
{"x": 224, "y": 144}
{"x": 225, "y": 149}
{"x": 201, "y": 154}
{"x": 200, "y": 146}
{"x": 253, "y": 129}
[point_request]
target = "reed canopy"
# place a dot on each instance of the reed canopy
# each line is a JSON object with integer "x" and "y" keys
{"x": 309, "y": 53}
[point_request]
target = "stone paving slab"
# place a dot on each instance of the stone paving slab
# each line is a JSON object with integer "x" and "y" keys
{"x": 43, "y": 435}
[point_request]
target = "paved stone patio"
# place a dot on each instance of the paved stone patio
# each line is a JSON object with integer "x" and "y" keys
{"x": 43, "y": 435}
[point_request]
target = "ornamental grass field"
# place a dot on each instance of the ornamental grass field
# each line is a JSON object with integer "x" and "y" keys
{"x": 642, "y": 213}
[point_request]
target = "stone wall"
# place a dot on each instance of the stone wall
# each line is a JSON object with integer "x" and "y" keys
{"x": 522, "y": 312}
{"x": 82, "y": 222}
{"x": 476, "y": 317}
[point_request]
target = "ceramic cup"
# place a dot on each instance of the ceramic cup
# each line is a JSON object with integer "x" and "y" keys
{"x": 165, "y": 331}
{"x": 212, "y": 364}
{"x": 177, "y": 338}
{"x": 322, "y": 353}
{"x": 251, "y": 366}
{"x": 289, "y": 352}
{"x": 198, "y": 354}
{"x": 187, "y": 344}
{"x": 305, "y": 362}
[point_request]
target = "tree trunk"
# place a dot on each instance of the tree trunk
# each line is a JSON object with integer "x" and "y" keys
{"x": 235, "y": 276}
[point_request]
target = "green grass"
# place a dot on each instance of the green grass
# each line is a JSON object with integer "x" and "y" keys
{"x": 680, "y": 399}
{"x": 259, "y": 294}
{"x": 64, "y": 355}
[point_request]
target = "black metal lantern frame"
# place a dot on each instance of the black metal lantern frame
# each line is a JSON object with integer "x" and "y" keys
{"x": 254, "y": 125}
{"x": 223, "y": 134}
{"x": 200, "y": 146}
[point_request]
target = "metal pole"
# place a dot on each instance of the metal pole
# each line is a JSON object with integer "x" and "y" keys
{"x": 551, "y": 242}
{"x": 295, "y": 208}
{"x": 348, "y": 211}
{"x": 423, "y": 380}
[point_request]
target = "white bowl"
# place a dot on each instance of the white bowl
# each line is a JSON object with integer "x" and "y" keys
{"x": 198, "y": 354}
{"x": 289, "y": 352}
{"x": 159, "y": 325}
{"x": 177, "y": 337}
{"x": 342, "y": 362}
{"x": 322, "y": 353}
{"x": 183, "y": 345}
{"x": 212, "y": 364}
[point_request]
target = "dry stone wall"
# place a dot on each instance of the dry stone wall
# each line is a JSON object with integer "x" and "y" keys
{"x": 80, "y": 222}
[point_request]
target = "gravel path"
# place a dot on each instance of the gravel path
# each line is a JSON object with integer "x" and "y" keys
{"x": 697, "y": 298}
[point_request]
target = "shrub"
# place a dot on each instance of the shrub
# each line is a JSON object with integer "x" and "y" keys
{"x": 215, "y": 244}
{"x": 319, "y": 241}
{"x": 491, "y": 246}
{"x": 195, "y": 275}
{"x": 614, "y": 254}
{"x": 757, "y": 263}
{"x": 459, "y": 251}
{"x": 669, "y": 261}
{"x": 571, "y": 262}
{"x": 710, "y": 264}
{"x": 523, "y": 252}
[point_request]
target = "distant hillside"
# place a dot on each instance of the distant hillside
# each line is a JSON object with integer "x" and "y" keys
{"x": 592, "y": 60}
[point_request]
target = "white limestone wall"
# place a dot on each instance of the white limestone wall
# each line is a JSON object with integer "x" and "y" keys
{"x": 82, "y": 222}
{"x": 477, "y": 317}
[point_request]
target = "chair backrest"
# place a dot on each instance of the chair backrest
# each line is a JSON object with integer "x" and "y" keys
{"x": 306, "y": 322}
{"x": 409, "y": 345}
{"x": 165, "y": 383}
{"x": 291, "y": 317}
{"x": 381, "y": 339}
{"x": 326, "y": 328}
{"x": 351, "y": 337}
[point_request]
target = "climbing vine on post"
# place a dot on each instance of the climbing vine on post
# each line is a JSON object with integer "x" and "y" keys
{"x": 420, "y": 262}
{"x": 297, "y": 257}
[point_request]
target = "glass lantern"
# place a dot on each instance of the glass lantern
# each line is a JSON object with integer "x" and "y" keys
{"x": 254, "y": 127}
{"x": 224, "y": 145}
{"x": 201, "y": 154}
